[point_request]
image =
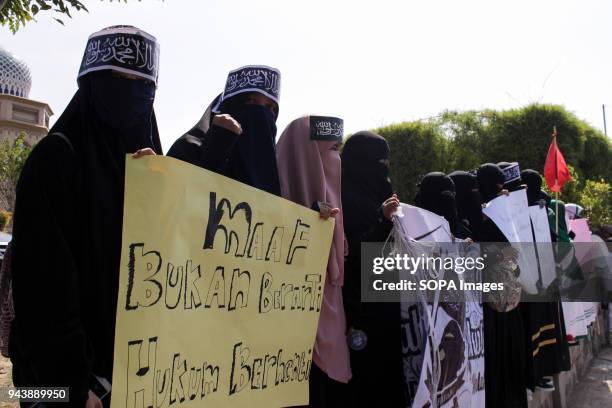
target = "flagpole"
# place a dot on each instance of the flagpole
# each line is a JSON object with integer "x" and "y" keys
{"x": 556, "y": 183}
{"x": 557, "y": 208}
{"x": 603, "y": 107}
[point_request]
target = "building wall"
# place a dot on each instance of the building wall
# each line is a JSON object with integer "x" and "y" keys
{"x": 23, "y": 115}
{"x": 11, "y": 133}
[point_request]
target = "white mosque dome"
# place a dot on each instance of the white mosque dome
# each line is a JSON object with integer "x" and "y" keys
{"x": 15, "y": 77}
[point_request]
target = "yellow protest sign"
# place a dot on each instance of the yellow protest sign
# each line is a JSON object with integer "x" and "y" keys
{"x": 219, "y": 293}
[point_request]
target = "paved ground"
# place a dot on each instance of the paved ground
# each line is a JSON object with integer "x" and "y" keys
{"x": 5, "y": 378}
{"x": 595, "y": 388}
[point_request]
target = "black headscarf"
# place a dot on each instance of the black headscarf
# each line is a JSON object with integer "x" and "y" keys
{"x": 437, "y": 194}
{"x": 189, "y": 146}
{"x": 467, "y": 197}
{"x": 249, "y": 157}
{"x": 67, "y": 233}
{"x": 365, "y": 181}
{"x": 489, "y": 176}
{"x": 533, "y": 180}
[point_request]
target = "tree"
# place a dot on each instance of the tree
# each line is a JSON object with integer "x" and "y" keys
{"x": 3, "y": 220}
{"x": 596, "y": 161}
{"x": 469, "y": 137}
{"x": 416, "y": 148}
{"x": 596, "y": 198}
{"x": 524, "y": 135}
{"x": 13, "y": 155}
{"x": 16, "y": 13}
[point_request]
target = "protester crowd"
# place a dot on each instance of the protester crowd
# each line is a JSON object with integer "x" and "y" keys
{"x": 68, "y": 223}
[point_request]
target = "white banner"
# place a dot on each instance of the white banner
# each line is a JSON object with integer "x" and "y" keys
{"x": 541, "y": 231}
{"x": 511, "y": 215}
{"x": 447, "y": 336}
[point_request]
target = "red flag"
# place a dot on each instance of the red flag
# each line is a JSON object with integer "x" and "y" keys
{"x": 555, "y": 168}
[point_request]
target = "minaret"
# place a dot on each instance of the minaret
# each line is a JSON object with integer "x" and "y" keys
{"x": 18, "y": 113}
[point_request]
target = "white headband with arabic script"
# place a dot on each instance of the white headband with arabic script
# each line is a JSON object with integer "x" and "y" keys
{"x": 271, "y": 90}
{"x": 125, "y": 56}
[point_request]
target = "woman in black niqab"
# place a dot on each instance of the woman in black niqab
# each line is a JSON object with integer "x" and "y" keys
{"x": 490, "y": 181}
{"x": 437, "y": 194}
{"x": 533, "y": 180}
{"x": 469, "y": 201}
{"x": 248, "y": 157}
{"x": 374, "y": 335}
{"x": 504, "y": 334}
{"x": 365, "y": 182}
{"x": 490, "y": 185}
{"x": 67, "y": 230}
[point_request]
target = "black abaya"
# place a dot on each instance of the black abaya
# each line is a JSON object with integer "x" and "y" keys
{"x": 67, "y": 235}
{"x": 377, "y": 369}
{"x": 505, "y": 382}
{"x": 468, "y": 201}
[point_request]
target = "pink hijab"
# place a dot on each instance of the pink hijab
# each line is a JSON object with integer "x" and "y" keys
{"x": 309, "y": 170}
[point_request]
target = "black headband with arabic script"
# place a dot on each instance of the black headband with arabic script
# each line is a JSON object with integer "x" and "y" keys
{"x": 512, "y": 173}
{"x": 252, "y": 78}
{"x": 125, "y": 49}
{"x": 326, "y": 128}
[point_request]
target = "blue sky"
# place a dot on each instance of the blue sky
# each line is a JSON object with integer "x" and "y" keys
{"x": 370, "y": 62}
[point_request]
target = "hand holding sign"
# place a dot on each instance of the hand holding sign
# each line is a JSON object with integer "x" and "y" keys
{"x": 143, "y": 152}
{"x": 390, "y": 206}
{"x": 327, "y": 211}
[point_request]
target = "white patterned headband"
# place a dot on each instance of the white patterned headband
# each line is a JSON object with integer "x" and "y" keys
{"x": 512, "y": 173}
{"x": 124, "y": 49}
{"x": 253, "y": 78}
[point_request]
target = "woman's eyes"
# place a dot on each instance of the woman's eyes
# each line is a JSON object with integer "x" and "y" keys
{"x": 272, "y": 109}
{"x": 270, "y": 106}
